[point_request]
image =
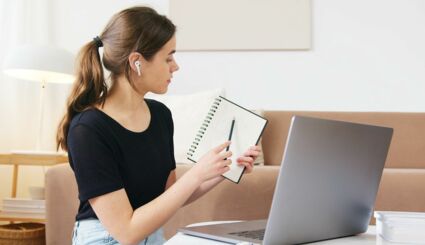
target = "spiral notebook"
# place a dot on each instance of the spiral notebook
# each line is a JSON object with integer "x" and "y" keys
{"x": 246, "y": 131}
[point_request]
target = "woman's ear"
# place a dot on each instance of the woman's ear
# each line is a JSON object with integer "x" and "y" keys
{"x": 135, "y": 60}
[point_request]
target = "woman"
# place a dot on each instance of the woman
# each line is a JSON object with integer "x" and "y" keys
{"x": 120, "y": 145}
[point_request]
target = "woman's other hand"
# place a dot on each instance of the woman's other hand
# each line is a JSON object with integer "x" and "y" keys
{"x": 248, "y": 158}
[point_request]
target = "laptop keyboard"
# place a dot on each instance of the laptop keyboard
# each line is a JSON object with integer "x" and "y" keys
{"x": 257, "y": 234}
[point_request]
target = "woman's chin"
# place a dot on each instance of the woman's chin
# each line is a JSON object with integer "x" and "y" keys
{"x": 161, "y": 91}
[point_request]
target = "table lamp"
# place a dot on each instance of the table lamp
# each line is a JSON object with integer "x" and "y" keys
{"x": 44, "y": 64}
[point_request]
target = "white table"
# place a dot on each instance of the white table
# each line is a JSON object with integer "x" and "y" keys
{"x": 367, "y": 238}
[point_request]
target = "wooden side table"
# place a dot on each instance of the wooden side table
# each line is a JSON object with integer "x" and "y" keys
{"x": 27, "y": 159}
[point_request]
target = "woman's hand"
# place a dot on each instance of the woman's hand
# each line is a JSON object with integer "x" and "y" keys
{"x": 247, "y": 159}
{"x": 214, "y": 163}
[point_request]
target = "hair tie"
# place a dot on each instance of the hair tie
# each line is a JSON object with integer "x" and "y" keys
{"x": 98, "y": 42}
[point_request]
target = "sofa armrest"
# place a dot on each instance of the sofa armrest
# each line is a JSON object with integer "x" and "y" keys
{"x": 61, "y": 204}
{"x": 250, "y": 199}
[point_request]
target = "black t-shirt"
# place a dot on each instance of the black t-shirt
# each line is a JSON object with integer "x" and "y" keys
{"x": 106, "y": 157}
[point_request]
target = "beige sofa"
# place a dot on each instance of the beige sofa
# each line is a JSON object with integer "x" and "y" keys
{"x": 402, "y": 186}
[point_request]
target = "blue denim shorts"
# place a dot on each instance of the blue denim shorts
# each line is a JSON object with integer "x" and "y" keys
{"x": 92, "y": 232}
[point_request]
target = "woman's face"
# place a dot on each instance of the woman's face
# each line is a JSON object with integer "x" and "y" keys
{"x": 156, "y": 74}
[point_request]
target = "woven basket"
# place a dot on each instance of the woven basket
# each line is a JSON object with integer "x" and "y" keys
{"x": 23, "y": 234}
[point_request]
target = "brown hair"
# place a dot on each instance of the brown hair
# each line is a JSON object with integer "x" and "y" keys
{"x": 137, "y": 29}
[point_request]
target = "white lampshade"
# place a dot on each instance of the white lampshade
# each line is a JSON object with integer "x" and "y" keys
{"x": 40, "y": 63}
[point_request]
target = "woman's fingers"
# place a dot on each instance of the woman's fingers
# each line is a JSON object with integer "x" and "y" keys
{"x": 223, "y": 166}
{"x": 224, "y": 170}
{"x": 225, "y": 163}
{"x": 251, "y": 153}
{"x": 246, "y": 159}
{"x": 224, "y": 154}
{"x": 247, "y": 162}
{"x": 248, "y": 169}
{"x": 248, "y": 166}
{"x": 255, "y": 148}
{"x": 221, "y": 147}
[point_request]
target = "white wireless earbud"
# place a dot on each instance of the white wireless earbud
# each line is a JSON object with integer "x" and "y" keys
{"x": 137, "y": 64}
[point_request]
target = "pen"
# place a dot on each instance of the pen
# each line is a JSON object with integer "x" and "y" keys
{"x": 231, "y": 132}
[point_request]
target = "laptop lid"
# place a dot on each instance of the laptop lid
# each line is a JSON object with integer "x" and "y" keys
{"x": 326, "y": 187}
{"x": 328, "y": 181}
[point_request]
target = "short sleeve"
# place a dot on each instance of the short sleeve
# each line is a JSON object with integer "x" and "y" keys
{"x": 93, "y": 162}
{"x": 171, "y": 130}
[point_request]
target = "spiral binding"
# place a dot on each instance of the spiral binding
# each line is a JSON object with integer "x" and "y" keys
{"x": 204, "y": 126}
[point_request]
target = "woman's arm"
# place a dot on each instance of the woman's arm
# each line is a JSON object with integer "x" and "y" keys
{"x": 204, "y": 188}
{"x": 129, "y": 227}
{"x": 200, "y": 191}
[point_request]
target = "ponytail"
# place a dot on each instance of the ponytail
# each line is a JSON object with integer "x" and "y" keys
{"x": 88, "y": 90}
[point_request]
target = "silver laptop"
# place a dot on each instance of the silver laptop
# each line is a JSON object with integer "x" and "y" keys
{"x": 326, "y": 186}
